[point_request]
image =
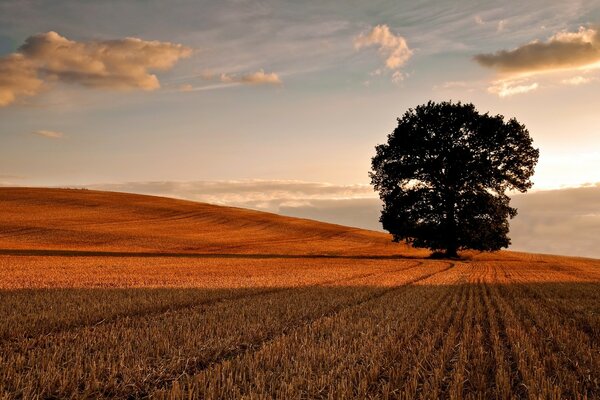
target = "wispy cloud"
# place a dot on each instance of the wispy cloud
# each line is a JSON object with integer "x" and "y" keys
{"x": 110, "y": 64}
{"x": 578, "y": 80}
{"x": 254, "y": 78}
{"x": 228, "y": 80}
{"x": 48, "y": 134}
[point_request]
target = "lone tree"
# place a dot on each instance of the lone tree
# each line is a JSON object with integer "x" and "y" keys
{"x": 444, "y": 173}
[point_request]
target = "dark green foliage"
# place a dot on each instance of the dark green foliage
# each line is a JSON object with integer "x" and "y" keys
{"x": 444, "y": 173}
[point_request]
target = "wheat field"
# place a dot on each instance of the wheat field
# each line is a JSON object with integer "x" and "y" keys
{"x": 106, "y": 295}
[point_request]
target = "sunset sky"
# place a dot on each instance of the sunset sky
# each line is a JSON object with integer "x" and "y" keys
{"x": 278, "y": 105}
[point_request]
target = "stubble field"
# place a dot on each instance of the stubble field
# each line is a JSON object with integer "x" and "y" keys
{"x": 124, "y": 296}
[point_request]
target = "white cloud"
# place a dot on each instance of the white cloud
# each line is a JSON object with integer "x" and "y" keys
{"x": 393, "y": 48}
{"x": 453, "y": 85}
{"x": 111, "y": 64}
{"x": 49, "y": 134}
{"x": 577, "y": 80}
{"x": 262, "y": 194}
{"x": 510, "y": 88}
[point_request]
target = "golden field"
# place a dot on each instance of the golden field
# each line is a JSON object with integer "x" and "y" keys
{"x": 107, "y": 295}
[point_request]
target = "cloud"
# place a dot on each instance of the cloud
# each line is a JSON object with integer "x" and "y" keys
{"x": 398, "y": 76}
{"x": 49, "y": 134}
{"x": 453, "y": 85}
{"x": 267, "y": 195}
{"x": 577, "y": 80}
{"x": 18, "y": 77}
{"x": 259, "y": 77}
{"x": 510, "y": 88}
{"x": 392, "y": 47}
{"x": 563, "y": 51}
{"x": 501, "y": 26}
{"x": 110, "y": 64}
{"x": 186, "y": 87}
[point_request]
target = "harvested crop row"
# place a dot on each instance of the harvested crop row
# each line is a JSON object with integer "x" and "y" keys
{"x": 353, "y": 354}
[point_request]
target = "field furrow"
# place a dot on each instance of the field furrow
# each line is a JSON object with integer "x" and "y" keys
{"x": 330, "y": 340}
{"x": 568, "y": 356}
{"x": 507, "y": 381}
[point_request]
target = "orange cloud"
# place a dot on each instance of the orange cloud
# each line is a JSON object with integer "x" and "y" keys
{"x": 49, "y": 134}
{"x": 563, "y": 51}
{"x": 111, "y": 64}
{"x": 18, "y": 77}
{"x": 393, "y": 47}
{"x": 255, "y": 78}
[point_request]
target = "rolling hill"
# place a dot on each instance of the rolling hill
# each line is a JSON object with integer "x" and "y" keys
{"x": 86, "y": 220}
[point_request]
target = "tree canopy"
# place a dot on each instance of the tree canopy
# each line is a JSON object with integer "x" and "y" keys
{"x": 443, "y": 176}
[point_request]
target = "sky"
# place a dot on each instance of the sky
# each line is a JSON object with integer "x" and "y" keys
{"x": 277, "y": 105}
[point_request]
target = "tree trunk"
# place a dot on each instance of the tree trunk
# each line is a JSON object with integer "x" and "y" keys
{"x": 451, "y": 252}
{"x": 451, "y": 231}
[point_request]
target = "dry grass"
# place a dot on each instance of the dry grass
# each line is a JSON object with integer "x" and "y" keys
{"x": 231, "y": 304}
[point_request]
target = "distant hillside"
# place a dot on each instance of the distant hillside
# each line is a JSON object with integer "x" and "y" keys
{"x": 71, "y": 219}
